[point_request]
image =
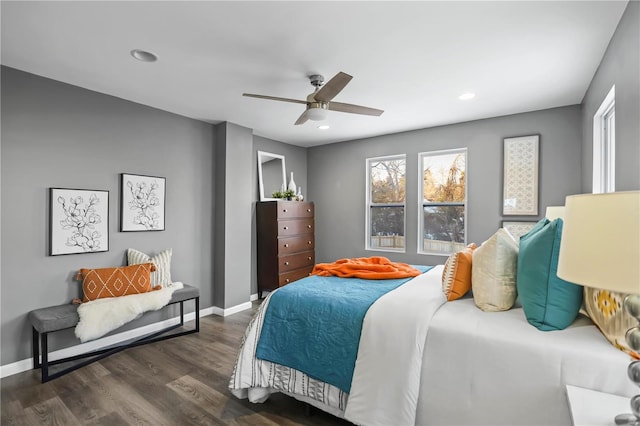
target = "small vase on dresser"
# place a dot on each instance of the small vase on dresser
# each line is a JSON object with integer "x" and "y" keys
{"x": 285, "y": 242}
{"x": 292, "y": 185}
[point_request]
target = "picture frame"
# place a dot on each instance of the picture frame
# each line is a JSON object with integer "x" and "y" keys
{"x": 518, "y": 228}
{"x": 78, "y": 221}
{"x": 142, "y": 203}
{"x": 520, "y": 181}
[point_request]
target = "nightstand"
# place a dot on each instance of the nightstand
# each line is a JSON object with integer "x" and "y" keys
{"x": 593, "y": 408}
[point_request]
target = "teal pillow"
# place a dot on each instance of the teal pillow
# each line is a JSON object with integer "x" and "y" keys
{"x": 549, "y": 303}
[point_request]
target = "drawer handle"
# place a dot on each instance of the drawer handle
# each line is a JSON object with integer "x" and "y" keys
{"x": 309, "y": 258}
{"x": 287, "y": 280}
{"x": 309, "y": 242}
{"x": 286, "y": 227}
{"x": 286, "y": 245}
{"x": 309, "y": 226}
{"x": 308, "y": 210}
{"x": 286, "y": 263}
{"x": 284, "y": 210}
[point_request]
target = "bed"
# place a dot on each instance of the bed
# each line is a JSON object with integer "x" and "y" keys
{"x": 422, "y": 360}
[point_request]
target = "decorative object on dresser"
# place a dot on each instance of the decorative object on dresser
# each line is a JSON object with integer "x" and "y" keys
{"x": 600, "y": 249}
{"x": 292, "y": 185}
{"x": 285, "y": 234}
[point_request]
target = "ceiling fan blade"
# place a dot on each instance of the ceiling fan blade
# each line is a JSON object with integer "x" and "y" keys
{"x": 332, "y": 87}
{"x": 354, "y": 109}
{"x": 303, "y": 118}
{"x": 274, "y": 98}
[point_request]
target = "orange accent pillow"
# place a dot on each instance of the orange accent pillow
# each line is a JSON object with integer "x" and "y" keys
{"x": 456, "y": 276}
{"x": 115, "y": 282}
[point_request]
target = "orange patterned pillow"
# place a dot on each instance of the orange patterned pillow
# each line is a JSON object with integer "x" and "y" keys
{"x": 114, "y": 282}
{"x": 456, "y": 276}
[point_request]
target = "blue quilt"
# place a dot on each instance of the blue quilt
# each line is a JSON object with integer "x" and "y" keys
{"x": 313, "y": 325}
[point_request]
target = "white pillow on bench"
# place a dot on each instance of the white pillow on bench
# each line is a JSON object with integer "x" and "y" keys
{"x": 162, "y": 260}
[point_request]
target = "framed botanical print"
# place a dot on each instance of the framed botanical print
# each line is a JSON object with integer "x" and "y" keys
{"x": 142, "y": 203}
{"x": 79, "y": 221}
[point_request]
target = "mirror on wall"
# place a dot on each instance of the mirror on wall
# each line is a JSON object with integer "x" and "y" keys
{"x": 271, "y": 174}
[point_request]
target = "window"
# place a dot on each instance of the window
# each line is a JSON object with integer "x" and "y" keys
{"x": 443, "y": 190}
{"x": 386, "y": 203}
{"x": 604, "y": 145}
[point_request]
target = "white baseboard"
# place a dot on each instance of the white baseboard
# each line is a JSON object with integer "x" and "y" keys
{"x": 232, "y": 310}
{"x": 27, "y": 364}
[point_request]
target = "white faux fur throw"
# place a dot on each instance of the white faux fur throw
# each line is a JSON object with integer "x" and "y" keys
{"x": 100, "y": 316}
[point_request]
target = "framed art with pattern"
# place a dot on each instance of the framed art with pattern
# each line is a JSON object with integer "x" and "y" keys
{"x": 79, "y": 221}
{"x": 518, "y": 228}
{"x": 142, "y": 203}
{"x": 520, "y": 183}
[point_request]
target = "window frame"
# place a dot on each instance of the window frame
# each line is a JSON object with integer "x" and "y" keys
{"x": 369, "y": 204}
{"x": 604, "y": 145}
{"x": 422, "y": 204}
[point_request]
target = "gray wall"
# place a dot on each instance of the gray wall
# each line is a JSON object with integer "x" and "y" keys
{"x": 57, "y": 135}
{"x": 337, "y": 177}
{"x": 620, "y": 66}
{"x": 296, "y": 162}
{"x": 232, "y": 257}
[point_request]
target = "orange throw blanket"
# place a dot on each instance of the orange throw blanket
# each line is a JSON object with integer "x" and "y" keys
{"x": 370, "y": 268}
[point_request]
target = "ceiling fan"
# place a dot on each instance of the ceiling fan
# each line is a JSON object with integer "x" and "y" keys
{"x": 320, "y": 101}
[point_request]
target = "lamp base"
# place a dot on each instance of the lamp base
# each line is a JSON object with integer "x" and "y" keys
{"x": 627, "y": 419}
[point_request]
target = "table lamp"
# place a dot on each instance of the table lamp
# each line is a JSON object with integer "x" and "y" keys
{"x": 600, "y": 248}
{"x": 554, "y": 212}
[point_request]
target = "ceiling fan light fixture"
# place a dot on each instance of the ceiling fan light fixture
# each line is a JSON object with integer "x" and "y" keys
{"x": 317, "y": 112}
{"x": 467, "y": 96}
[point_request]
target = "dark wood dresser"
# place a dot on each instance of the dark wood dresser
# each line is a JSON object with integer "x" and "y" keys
{"x": 286, "y": 243}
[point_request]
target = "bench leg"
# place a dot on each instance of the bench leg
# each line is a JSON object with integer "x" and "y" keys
{"x": 182, "y": 313}
{"x": 197, "y": 300}
{"x": 45, "y": 357}
{"x": 35, "y": 348}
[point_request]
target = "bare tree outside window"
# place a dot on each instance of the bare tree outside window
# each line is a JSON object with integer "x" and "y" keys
{"x": 387, "y": 185}
{"x": 443, "y": 201}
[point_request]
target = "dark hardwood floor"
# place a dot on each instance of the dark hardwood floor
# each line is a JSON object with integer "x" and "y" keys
{"x": 181, "y": 381}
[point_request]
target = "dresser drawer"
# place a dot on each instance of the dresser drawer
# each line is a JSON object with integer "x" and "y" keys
{"x": 295, "y": 227}
{"x": 291, "y": 209}
{"x": 296, "y": 244}
{"x": 289, "y": 277}
{"x": 295, "y": 261}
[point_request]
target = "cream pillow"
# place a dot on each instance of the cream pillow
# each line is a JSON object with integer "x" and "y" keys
{"x": 162, "y": 260}
{"x": 493, "y": 272}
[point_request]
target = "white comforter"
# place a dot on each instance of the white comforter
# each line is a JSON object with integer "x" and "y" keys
{"x": 380, "y": 394}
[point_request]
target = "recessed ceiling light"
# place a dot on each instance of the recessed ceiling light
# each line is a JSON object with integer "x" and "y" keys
{"x": 467, "y": 96}
{"x": 323, "y": 127}
{"x": 144, "y": 55}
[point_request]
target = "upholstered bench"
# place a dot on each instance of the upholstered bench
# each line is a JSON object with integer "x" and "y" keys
{"x": 61, "y": 317}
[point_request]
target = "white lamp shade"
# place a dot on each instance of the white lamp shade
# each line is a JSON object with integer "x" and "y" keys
{"x": 555, "y": 212}
{"x": 600, "y": 244}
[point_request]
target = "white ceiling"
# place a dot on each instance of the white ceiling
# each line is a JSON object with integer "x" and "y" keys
{"x": 411, "y": 59}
